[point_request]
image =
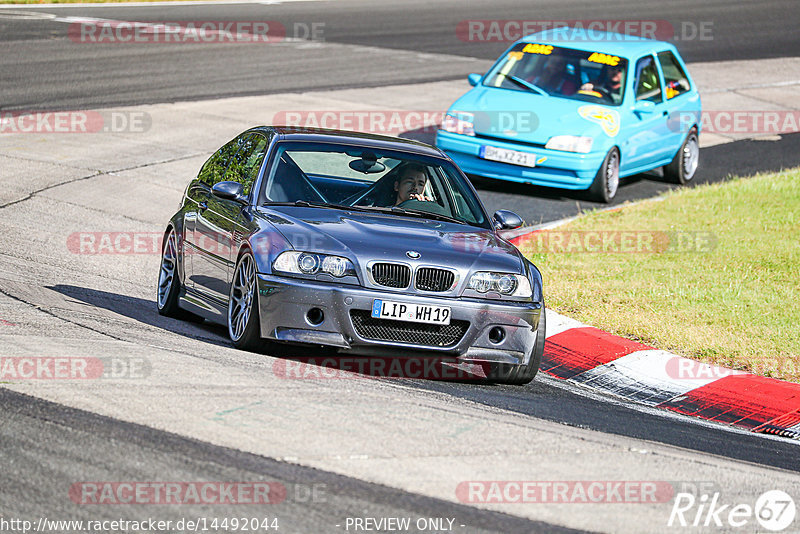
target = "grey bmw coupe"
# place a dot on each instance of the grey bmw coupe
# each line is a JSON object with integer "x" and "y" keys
{"x": 367, "y": 245}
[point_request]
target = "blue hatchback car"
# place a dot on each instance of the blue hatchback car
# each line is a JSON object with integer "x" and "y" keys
{"x": 578, "y": 114}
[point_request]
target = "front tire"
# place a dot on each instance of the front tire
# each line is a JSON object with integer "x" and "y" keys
{"x": 683, "y": 166}
{"x": 606, "y": 181}
{"x": 168, "y": 281}
{"x": 519, "y": 375}
{"x": 243, "y": 317}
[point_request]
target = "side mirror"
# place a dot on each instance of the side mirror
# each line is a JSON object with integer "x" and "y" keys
{"x": 506, "y": 220}
{"x": 644, "y": 106}
{"x": 229, "y": 191}
{"x": 474, "y": 79}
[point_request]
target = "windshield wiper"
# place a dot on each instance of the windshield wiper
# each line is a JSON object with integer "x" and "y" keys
{"x": 422, "y": 214}
{"x": 316, "y": 204}
{"x": 426, "y": 214}
{"x": 309, "y": 204}
{"x": 301, "y": 203}
{"x": 525, "y": 85}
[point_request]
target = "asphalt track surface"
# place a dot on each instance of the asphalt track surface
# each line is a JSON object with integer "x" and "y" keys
{"x": 370, "y": 44}
{"x": 377, "y": 44}
{"x": 36, "y": 431}
{"x": 46, "y": 446}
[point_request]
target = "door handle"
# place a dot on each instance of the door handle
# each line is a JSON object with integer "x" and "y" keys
{"x": 203, "y": 206}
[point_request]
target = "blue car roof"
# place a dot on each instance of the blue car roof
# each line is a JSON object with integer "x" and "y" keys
{"x": 618, "y": 44}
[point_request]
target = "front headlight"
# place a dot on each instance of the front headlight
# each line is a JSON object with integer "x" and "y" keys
{"x": 460, "y": 122}
{"x": 570, "y": 143}
{"x": 310, "y": 263}
{"x": 507, "y": 284}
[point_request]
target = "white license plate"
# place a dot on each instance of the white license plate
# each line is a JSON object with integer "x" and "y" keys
{"x": 514, "y": 157}
{"x": 416, "y": 313}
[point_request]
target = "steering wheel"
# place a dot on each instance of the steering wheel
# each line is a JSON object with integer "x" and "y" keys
{"x": 598, "y": 92}
{"x": 423, "y": 205}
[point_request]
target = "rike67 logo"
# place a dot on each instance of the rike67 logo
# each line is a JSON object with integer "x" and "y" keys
{"x": 774, "y": 510}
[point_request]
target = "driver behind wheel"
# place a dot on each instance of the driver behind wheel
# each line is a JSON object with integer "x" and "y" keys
{"x": 610, "y": 82}
{"x": 556, "y": 76}
{"x": 410, "y": 184}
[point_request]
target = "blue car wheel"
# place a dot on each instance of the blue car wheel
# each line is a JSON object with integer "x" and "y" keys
{"x": 683, "y": 166}
{"x": 606, "y": 181}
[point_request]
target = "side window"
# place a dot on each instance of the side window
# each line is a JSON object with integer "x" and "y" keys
{"x": 463, "y": 208}
{"x": 648, "y": 86}
{"x": 675, "y": 78}
{"x": 247, "y": 162}
{"x": 213, "y": 170}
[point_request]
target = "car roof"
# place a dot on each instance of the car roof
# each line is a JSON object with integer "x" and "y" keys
{"x": 618, "y": 44}
{"x": 323, "y": 135}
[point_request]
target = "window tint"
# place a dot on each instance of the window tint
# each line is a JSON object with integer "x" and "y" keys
{"x": 648, "y": 86}
{"x": 675, "y": 78}
{"x": 214, "y": 169}
{"x": 561, "y": 72}
{"x": 246, "y": 163}
{"x": 414, "y": 182}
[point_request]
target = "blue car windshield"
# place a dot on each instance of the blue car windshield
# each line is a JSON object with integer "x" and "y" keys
{"x": 370, "y": 179}
{"x": 562, "y": 73}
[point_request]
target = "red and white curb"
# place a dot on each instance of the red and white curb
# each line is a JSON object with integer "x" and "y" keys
{"x": 614, "y": 365}
{"x": 617, "y": 366}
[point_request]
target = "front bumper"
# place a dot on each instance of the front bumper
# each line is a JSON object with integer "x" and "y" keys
{"x": 285, "y": 302}
{"x": 566, "y": 170}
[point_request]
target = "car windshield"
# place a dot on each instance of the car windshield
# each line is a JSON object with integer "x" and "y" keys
{"x": 562, "y": 73}
{"x": 367, "y": 179}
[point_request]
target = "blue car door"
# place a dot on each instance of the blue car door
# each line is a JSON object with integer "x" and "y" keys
{"x": 681, "y": 100}
{"x": 646, "y": 125}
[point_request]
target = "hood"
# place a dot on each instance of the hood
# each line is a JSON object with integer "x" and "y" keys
{"x": 363, "y": 237}
{"x": 531, "y": 118}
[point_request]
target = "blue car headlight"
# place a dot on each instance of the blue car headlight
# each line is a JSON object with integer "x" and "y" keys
{"x": 570, "y": 143}
{"x": 506, "y": 284}
{"x": 460, "y": 122}
{"x": 311, "y": 263}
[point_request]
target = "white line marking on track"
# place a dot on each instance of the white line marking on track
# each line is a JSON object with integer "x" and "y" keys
{"x": 176, "y": 3}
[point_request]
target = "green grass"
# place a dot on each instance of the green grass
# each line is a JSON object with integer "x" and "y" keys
{"x": 733, "y": 300}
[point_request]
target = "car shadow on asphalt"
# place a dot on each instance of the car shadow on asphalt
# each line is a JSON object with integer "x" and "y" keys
{"x": 143, "y": 311}
{"x": 295, "y": 361}
{"x": 407, "y": 368}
